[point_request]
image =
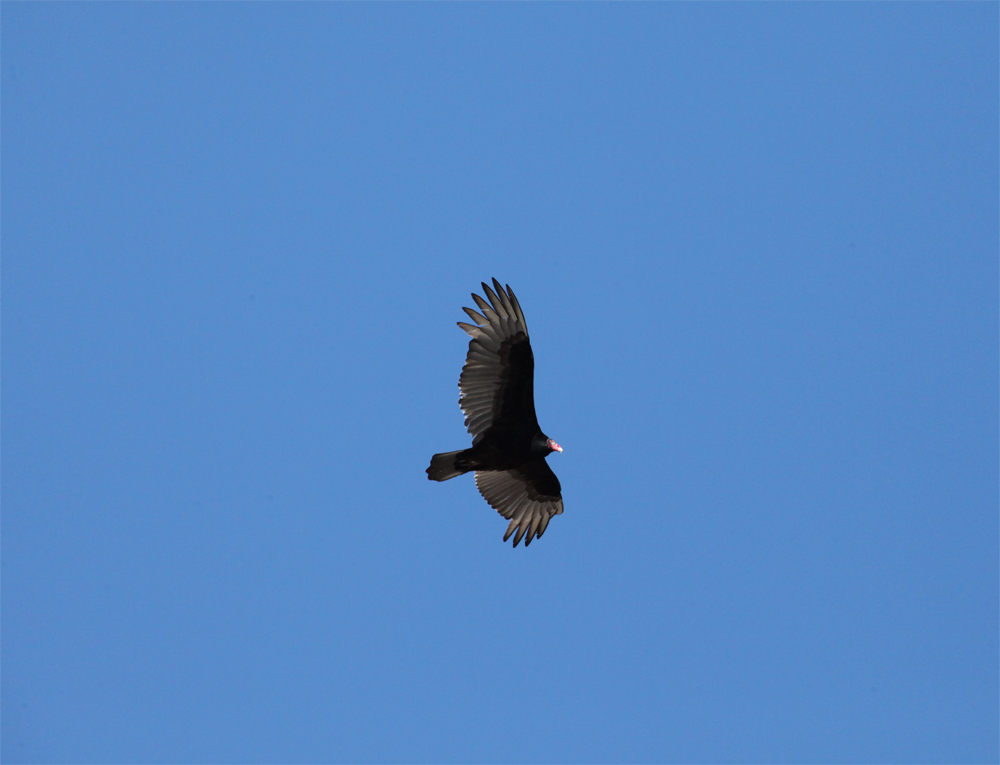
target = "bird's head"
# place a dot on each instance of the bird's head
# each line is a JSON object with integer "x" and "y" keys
{"x": 553, "y": 446}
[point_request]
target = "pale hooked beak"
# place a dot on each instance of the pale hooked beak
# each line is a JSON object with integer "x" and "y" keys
{"x": 554, "y": 446}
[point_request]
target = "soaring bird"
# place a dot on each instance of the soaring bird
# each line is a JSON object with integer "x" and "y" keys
{"x": 497, "y": 396}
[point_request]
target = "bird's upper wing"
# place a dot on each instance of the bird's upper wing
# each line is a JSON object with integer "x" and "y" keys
{"x": 528, "y": 495}
{"x": 497, "y": 382}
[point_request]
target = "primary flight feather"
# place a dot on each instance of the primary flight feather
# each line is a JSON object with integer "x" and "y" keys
{"x": 497, "y": 396}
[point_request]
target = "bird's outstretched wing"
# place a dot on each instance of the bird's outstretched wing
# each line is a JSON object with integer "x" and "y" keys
{"x": 497, "y": 381}
{"x": 528, "y": 495}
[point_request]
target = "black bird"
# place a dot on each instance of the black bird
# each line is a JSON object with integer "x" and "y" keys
{"x": 497, "y": 395}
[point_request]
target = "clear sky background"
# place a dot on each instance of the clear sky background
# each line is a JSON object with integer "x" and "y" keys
{"x": 757, "y": 248}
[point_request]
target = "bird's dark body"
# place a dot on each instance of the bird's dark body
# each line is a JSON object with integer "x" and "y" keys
{"x": 509, "y": 448}
{"x": 503, "y": 448}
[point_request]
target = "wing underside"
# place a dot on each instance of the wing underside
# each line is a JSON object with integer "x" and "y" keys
{"x": 497, "y": 379}
{"x": 529, "y": 496}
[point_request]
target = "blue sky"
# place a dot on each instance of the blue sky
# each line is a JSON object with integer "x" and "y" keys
{"x": 757, "y": 248}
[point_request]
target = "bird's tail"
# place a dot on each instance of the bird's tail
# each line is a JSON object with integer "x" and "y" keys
{"x": 447, "y": 465}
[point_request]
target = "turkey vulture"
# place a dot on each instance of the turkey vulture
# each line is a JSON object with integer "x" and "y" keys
{"x": 497, "y": 396}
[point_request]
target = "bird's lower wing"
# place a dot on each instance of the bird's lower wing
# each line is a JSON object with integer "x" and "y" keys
{"x": 528, "y": 495}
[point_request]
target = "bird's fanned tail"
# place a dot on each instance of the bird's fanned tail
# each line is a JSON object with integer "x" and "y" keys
{"x": 444, "y": 466}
